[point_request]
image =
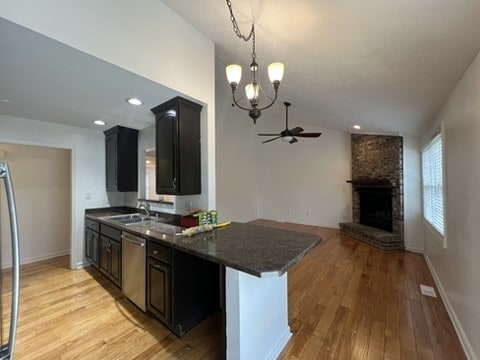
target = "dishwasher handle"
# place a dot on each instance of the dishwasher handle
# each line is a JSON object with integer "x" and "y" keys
{"x": 133, "y": 241}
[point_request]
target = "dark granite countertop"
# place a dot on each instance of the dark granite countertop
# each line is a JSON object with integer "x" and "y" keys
{"x": 253, "y": 249}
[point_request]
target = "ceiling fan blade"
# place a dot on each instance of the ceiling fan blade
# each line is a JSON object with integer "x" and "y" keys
{"x": 296, "y": 130}
{"x": 293, "y": 141}
{"x": 275, "y": 138}
{"x": 309, "y": 135}
{"x": 268, "y": 134}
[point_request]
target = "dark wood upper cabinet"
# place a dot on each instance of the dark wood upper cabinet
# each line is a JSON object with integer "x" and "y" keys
{"x": 121, "y": 152}
{"x": 177, "y": 147}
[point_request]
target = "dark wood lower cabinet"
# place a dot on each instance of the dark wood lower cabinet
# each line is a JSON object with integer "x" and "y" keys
{"x": 182, "y": 289}
{"x": 159, "y": 294}
{"x": 91, "y": 246}
{"x": 103, "y": 261}
{"x": 110, "y": 260}
{"x": 116, "y": 262}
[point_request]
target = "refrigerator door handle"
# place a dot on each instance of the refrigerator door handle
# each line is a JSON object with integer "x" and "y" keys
{"x": 8, "y": 349}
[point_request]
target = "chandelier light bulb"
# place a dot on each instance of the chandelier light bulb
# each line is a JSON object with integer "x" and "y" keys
{"x": 234, "y": 73}
{"x": 275, "y": 71}
{"x": 251, "y": 90}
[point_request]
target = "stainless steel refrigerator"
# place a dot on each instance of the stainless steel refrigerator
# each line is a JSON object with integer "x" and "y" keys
{"x": 7, "y": 344}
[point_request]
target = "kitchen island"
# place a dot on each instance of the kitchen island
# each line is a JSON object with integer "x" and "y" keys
{"x": 256, "y": 260}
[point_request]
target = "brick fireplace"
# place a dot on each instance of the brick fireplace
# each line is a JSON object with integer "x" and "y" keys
{"x": 377, "y": 191}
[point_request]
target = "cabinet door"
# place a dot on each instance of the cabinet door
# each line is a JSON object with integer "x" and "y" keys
{"x": 103, "y": 263}
{"x": 111, "y": 143}
{"x": 178, "y": 158}
{"x": 95, "y": 248}
{"x": 159, "y": 300}
{"x": 88, "y": 244}
{"x": 166, "y": 142}
{"x": 91, "y": 246}
{"x": 116, "y": 261}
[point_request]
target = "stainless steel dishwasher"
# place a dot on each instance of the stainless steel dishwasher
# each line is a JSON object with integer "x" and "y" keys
{"x": 134, "y": 269}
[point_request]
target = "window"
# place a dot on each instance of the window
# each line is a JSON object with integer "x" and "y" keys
{"x": 432, "y": 171}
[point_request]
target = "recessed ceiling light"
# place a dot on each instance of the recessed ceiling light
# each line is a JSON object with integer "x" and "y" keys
{"x": 357, "y": 127}
{"x": 100, "y": 122}
{"x": 134, "y": 101}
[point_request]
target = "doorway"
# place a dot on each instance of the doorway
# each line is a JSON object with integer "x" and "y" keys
{"x": 42, "y": 183}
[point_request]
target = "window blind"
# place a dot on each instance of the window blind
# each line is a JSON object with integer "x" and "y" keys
{"x": 432, "y": 171}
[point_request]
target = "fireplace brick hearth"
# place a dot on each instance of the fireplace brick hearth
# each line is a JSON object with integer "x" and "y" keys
{"x": 377, "y": 172}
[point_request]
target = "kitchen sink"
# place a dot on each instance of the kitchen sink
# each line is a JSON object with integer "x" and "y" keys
{"x": 130, "y": 218}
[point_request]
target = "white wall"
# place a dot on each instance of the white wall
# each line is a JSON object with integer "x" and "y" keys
{"x": 41, "y": 181}
{"x": 237, "y": 174}
{"x": 305, "y": 182}
{"x": 457, "y": 267}
{"x": 88, "y": 166}
{"x": 412, "y": 194}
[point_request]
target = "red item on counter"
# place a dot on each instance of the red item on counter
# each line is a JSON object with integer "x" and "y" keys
{"x": 188, "y": 221}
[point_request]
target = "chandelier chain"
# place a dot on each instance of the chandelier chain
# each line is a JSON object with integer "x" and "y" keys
{"x": 237, "y": 31}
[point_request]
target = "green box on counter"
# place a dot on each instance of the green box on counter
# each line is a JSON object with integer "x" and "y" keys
{"x": 208, "y": 217}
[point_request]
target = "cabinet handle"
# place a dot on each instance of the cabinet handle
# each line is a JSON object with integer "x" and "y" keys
{"x": 174, "y": 183}
{"x": 157, "y": 267}
{"x": 139, "y": 243}
{"x": 155, "y": 252}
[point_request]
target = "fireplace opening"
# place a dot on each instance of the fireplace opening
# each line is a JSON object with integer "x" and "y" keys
{"x": 376, "y": 208}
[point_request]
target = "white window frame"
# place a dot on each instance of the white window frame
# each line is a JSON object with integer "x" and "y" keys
{"x": 442, "y": 238}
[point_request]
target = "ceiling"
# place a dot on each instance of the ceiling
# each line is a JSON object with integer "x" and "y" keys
{"x": 387, "y": 65}
{"x": 43, "y": 79}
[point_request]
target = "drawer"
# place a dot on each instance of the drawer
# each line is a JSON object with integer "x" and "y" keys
{"x": 92, "y": 224}
{"x": 159, "y": 252}
{"x": 111, "y": 232}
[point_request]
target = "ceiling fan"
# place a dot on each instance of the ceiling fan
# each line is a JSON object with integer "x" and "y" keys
{"x": 290, "y": 135}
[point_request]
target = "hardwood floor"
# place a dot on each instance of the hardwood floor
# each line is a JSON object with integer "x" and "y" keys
{"x": 350, "y": 301}
{"x": 80, "y": 314}
{"x": 346, "y": 301}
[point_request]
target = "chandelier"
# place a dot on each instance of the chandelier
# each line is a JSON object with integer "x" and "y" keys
{"x": 252, "y": 90}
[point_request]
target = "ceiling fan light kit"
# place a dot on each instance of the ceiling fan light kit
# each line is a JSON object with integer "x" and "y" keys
{"x": 252, "y": 90}
{"x": 289, "y": 135}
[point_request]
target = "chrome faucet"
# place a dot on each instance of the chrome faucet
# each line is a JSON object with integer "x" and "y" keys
{"x": 144, "y": 206}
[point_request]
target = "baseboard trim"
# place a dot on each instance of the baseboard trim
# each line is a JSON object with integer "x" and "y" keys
{"x": 467, "y": 348}
{"x": 415, "y": 250}
{"x": 275, "y": 352}
{"x": 8, "y": 264}
{"x": 82, "y": 265}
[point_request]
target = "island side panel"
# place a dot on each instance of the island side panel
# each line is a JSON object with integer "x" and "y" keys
{"x": 256, "y": 315}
